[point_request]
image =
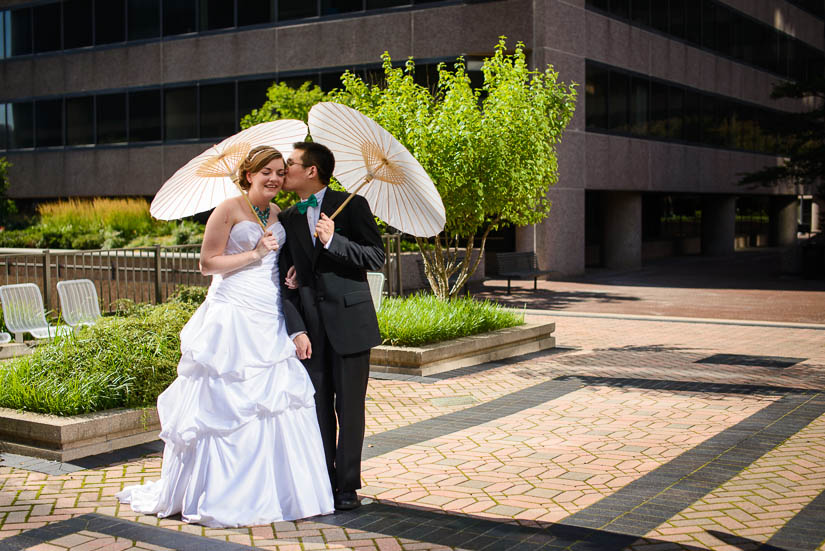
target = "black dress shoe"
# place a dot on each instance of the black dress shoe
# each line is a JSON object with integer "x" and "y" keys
{"x": 346, "y": 501}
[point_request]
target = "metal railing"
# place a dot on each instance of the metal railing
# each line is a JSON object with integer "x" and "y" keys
{"x": 141, "y": 274}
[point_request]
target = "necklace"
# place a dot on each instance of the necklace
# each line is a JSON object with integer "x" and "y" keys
{"x": 263, "y": 215}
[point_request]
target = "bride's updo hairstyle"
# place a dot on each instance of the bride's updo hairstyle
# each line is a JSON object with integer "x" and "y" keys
{"x": 257, "y": 159}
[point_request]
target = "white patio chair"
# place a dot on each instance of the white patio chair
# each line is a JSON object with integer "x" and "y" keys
{"x": 4, "y": 337}
{"x": 78, "y": 302}
{"x": 376, "y": 282}
{"x": 23, "y": 312}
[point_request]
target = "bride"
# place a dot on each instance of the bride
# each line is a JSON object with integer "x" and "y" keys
{"x": 242, "y": 444}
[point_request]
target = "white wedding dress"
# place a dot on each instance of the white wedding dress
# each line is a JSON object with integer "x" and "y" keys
{"x": 242, "y": 444}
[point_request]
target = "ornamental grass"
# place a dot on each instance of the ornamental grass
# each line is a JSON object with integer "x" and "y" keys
{"x": 121, "y": 361}
{"x": 424, "y": 319}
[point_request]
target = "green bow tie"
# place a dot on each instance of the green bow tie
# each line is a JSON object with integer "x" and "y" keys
{"x": 304, "y": 205}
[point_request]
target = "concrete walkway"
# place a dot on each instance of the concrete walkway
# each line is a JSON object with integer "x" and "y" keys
{"x": 674, "y": 418}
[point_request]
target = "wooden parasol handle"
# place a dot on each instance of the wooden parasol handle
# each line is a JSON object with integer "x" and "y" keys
{"x": 367, "y": 179}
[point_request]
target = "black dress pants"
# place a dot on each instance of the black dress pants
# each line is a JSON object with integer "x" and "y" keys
{"x": 340, "y": 392}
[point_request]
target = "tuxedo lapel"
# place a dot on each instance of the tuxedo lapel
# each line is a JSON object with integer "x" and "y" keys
{"x": 300, "y": 231}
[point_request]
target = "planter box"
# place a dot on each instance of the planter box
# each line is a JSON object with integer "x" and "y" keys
{"x": 12, "y": 349}
{"x": 68, "y": 438}
{"x": 463, "y": 352}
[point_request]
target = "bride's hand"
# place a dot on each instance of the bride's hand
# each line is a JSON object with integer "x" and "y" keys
{"x": 291, "y": 281}
{"x": 267, "y": 243}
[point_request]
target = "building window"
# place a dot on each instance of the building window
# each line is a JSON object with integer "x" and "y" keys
{"x": 80, "y": 121}
{"x": 46, "y": 19}
{"x": 635, "y": 105}
{"x": 110, "y": 22}
{"x": 381, "y": 4}
{"x": 77, "y": 23}
{"x": 596, "y": 97}
{"x": 21, "y": 124}
{"x": 217, "y": 110}
{"x": 333, "y": 7}
{"x": 21, "y": 31}
{"x": 296, "y": 9}
{"x": 254, "y": 12}
{"x": 48, "y": 117}
{"x": 179, "y": 17}
{"x": 3, "y": 127}
{"x": 143, "y": 19}
{"x": 111, "y": 118}
{"x": 252, "y": 95}
{"x": 144, "y": 116}
{"x": 180, "y": 114}
{"x": 617, "y": 102}
{"x": 715, "y": 26}
{"x": 217, "y": 14}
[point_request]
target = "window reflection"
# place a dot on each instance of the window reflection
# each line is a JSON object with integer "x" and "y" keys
{"x": 713, "y": 25}
{"x": 636, "y": 105}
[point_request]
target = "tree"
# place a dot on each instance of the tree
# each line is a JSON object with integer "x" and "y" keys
{"x": 7, "y": 206}
{"x": 802, "y": 139}
{"x": 491, "y": 151}
{"x": 283, "y": 102}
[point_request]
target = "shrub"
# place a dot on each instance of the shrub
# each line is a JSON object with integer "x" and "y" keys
{"x": 193, "y": 295}
{"x": 423, "y": 319}
{"x": 27, "y": 238}
{"x": 187, "y": 232}
{"x": 87, "y": 241}
{"x": 121, "y": 361}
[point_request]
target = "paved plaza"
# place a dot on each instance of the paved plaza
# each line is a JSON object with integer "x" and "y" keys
{"x": 661, "y": 424}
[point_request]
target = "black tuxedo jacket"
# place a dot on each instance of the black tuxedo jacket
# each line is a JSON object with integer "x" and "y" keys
{"x": 333, "y": 294}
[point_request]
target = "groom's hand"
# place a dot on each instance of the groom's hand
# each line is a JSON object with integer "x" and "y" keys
{"x": 324, "y": 228}
{"x": 302, "y": 346}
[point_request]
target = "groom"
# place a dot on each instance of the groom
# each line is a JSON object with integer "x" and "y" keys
{"x": 330, "y": 315}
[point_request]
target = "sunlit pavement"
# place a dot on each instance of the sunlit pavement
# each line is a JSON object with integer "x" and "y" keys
{"x": 635, "y": 433}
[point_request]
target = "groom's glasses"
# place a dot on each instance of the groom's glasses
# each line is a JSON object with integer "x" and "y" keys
{"x": 290, "y": 162}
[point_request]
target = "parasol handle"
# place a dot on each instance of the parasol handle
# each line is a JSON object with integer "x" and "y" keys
{"x": 248, "y": 202}
{"x": 367, "y": 179}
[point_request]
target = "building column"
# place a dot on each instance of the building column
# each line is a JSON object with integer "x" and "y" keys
{"x": 718, "y": 224}
{"x": 558, "y": 241}
{"x": 622, "y": 243}
{"x": 783, "y": 223}
{"x": 815, "y": 214}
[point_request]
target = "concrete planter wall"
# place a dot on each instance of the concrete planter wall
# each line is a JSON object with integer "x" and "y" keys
{"x": 67, "y": 438}
{"x": 463, "y": 352}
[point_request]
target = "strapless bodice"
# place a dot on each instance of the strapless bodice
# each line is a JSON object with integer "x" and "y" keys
{"x": 256, "y": 285}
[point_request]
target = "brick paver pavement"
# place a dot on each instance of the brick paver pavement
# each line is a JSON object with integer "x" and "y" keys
{"x": 636, "y": 433}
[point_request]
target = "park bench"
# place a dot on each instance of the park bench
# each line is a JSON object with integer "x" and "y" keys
{"x": 519, "y": 265}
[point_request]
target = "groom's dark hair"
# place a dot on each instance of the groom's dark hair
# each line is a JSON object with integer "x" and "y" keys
{"x": 319, "y": 156}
